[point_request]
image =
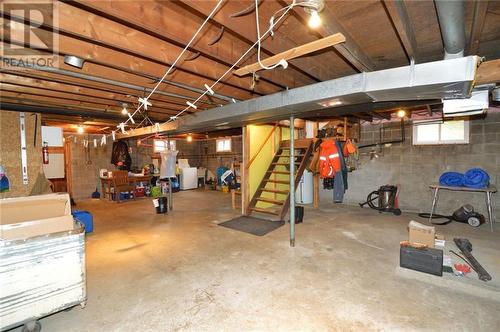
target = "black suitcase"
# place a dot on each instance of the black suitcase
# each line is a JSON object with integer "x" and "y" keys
{"x": 426, "y": 260}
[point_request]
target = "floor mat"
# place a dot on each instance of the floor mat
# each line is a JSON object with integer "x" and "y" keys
{"x": 251, "y": 225}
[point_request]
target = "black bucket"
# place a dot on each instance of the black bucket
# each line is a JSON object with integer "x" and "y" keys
{"x": 299, "y": 214}
{"x": 161, "y": 205}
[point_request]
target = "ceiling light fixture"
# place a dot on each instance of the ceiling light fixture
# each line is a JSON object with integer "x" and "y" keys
{"x": 189, "y": 138}
{"x": 124, "y": 110}
{"x": 313, "y": 8}
{"x": 314, "y": 21}
{"x": 401, "y": 113}
{"x": 74, "y": 61}
{"x": 80, "y": 129}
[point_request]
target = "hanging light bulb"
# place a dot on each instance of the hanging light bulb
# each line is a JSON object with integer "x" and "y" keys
{"x": 124, "y": 110}
{"x": 79, "y": 129}
{"x": 401, "y": 113}
{"x": 314, "y": 20}
{"x": 189, "y": 138}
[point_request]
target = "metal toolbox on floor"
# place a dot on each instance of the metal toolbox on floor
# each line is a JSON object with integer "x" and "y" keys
{"x": 42, "y": 260}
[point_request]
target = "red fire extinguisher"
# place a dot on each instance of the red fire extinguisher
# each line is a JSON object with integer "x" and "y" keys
{"x": 45, "y": 153}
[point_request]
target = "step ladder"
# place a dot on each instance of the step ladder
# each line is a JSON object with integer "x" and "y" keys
{"x": 274, "y": 188}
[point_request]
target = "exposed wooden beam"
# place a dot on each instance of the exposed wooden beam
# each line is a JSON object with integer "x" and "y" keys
{"x": 478, "y": 18}
{"x": 159, "y": 19}
{"x": 293, "y": 53}
{"x": 488, "y": 72}
{"x": 398, "y": 13}
{"x": 98, "y": 30}
{"x": 380, "y": 115}
{"x": 244, "y": 28}
{"x": 350, "y": 50}
{"x": 53, "y": 80}
{"x": 77, "y": 91}
{"x": 78, "y": 96}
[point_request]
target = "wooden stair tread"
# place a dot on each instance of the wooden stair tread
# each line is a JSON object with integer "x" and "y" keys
{"x": 270, "y": 200}
{"x": 256, "y": 209}
{"x": 277, "y": 181}
{"x": 279, "y": 172}
{"x": 276, "y": 191}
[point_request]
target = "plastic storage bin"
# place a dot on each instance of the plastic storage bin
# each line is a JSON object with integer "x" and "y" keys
{"x": 86, "y": 218}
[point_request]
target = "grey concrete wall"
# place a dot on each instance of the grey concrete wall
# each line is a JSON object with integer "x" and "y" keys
{"x": 86, "y": 172}
{"x": 414, "y": 168}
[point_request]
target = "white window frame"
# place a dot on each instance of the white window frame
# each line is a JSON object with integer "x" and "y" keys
{"x": 164, "y": 149}
{"x": 439, "y": 141}
{"x": 225, "y": 139}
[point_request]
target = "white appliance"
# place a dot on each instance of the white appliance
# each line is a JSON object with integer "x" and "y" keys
{"x": 304, "y": 191}
{"x": 188, "y": 178}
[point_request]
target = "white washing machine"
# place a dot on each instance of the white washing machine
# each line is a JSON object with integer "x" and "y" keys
{"x": 188, "y": 178}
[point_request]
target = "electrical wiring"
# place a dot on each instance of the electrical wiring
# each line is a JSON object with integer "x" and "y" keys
{"x": 144, "y": 102}
{"x": 271, "y": 27}
{"x": 210, "y": 88}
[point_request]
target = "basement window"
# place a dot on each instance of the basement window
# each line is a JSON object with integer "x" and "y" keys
{"x": 223, "y": 145}
{"x": 448, "y": 132}
{"x": 161, "y": 145}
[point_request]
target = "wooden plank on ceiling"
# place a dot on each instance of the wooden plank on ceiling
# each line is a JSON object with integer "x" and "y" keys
{"x": 293, "y": 53}
{"x": 488, "y": 72}
{"x": 95, "y": 29}
{"x": 162, "y": 24}
{"x": 350, "y": 50}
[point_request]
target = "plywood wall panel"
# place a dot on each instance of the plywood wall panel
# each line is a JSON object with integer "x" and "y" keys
{"x": 10, "y": 152}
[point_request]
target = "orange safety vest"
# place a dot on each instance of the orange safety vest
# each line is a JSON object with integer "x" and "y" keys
{"x": 329, "y": 159}
{"x": 349, "y": 148}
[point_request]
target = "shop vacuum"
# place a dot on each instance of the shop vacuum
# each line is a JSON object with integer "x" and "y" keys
{"x": 386, "y": 198}
{"x": 465, "y": 214}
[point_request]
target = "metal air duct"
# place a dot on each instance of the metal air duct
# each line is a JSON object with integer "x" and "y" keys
{"x": 451, "y": 21}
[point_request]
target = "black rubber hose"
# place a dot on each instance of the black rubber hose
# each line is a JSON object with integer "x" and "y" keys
{"x": 436, "y": 216}
{"x": 370, "y": 199}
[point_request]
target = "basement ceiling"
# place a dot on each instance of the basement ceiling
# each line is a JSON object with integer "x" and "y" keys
{"x": 132, "y": 43}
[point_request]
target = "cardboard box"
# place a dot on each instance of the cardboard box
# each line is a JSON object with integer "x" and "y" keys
{"x": 421, "y": 234}
{"x": 24, "y": 217}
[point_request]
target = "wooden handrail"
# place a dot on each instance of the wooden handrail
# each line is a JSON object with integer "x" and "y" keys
{"x": 262, "y": 146}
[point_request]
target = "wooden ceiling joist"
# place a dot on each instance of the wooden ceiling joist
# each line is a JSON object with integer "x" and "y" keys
{"x": 96, "y": 30}
{"x": 244, "y": 28}
{"x": 402, "y": 24}
{"x": 158, "y": 23}
{"x": 350, "y": 50}
{"x": 478, "y": 18}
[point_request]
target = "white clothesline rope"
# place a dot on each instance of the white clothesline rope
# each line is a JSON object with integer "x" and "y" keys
{"x": 144, "y": 103}
{"x": 210, "y": 88}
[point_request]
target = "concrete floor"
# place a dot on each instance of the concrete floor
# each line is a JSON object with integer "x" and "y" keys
{"x": 182, "y": 272}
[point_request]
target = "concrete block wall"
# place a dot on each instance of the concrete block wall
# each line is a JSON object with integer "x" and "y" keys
{"x": 414, "y": 168}
{"x": 199, "y": 153}
{"x": 86, "y": 169}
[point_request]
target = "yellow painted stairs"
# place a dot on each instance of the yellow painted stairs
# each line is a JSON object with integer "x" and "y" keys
{"x": 273, "y": 194}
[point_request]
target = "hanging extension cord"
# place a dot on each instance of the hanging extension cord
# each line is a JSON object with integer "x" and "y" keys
{"x": 282, "y": 62}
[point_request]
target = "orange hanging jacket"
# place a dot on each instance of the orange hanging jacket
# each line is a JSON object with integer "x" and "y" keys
{"x": 329, "y": 159}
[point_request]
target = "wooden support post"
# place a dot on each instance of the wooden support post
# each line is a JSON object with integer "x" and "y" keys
{"x": 292, "y": 181}
{"x": 315, "y": 173}
{"x": 245, "y": 187}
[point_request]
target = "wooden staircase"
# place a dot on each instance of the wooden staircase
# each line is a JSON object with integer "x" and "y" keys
{"x": 274, "y": 188}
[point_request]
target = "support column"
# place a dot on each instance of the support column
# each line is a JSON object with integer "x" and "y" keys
{"x": 292, "y": 181}
{"x": 245, "y": 188}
